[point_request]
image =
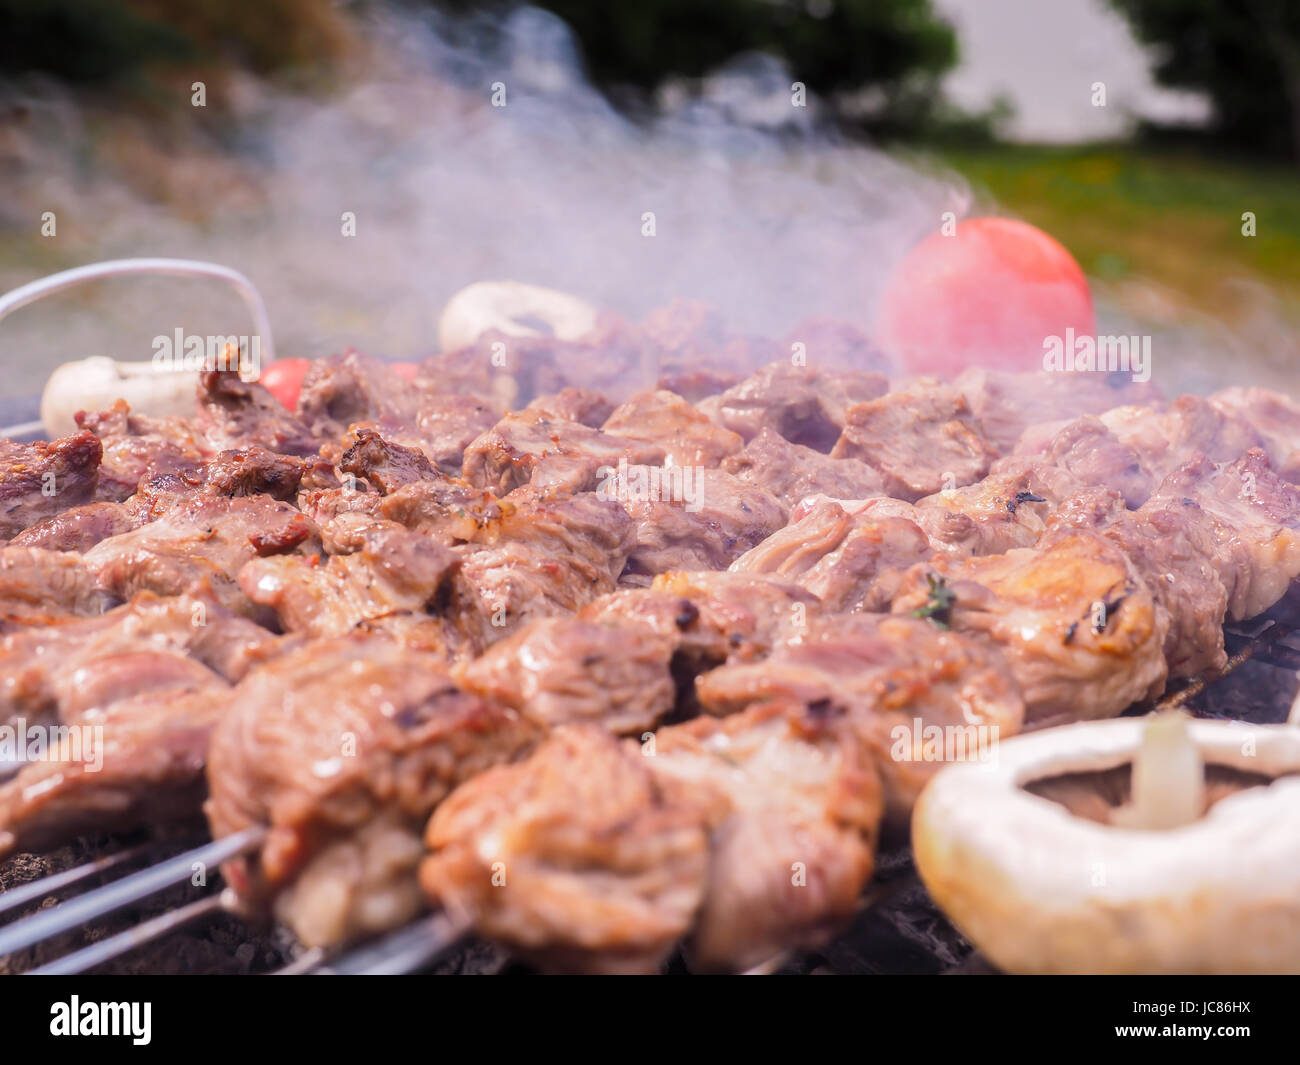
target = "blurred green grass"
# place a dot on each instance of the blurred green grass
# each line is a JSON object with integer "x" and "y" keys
{"x": 1139, "y": 216}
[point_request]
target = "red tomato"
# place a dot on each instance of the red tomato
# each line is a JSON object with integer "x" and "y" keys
{"x": 988, "y": 295}
{"x": 404, "y": 369}
{"x": 283, "y": 378}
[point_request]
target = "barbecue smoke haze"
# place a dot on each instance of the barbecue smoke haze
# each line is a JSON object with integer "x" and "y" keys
{"x": 752, "y": 204}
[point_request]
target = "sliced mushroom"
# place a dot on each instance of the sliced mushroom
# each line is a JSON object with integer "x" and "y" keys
{"x": 1039, "y": 889}
{"x": 515, "y": 309}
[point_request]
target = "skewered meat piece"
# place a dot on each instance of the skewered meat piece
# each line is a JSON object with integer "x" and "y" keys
{"x": 687, "y": 437}
{"x": 804, "y": 404}
{"x": 690, "y": 517}
{"x": 1253, "y": 517}
{"x": 235, "y": 413}
{"x": 385, "y": 464}
{"x": 378, "y": 574}
{"x": 694, "y": 383}
{"x": 40, "y": 667}
{"x": 39, "y": 480}
{"x": 531, "y": 445}
{"x": 139, "y": 448}
{"x": 558, "y": 671}
{"x": 1165, "y": 438}
{"x": 572, "y": 405}
{"x": 920, "y": 441}
{"x": 341, "y": 390}
{"x": 581, "y": 856}
{"x": 850, "y": 562}
{"x": 792, "y": 472}
{"x": 1275, "y": 417}
{"x": 1007, "y": 404}
{"x": 892, "y": 676}
{"x": 342, "y": 748}
{"x": 39, "y": 587}
{"x": 1078, "y": 625}
{"x": 201, "y": 537}
{"x": 78, "y": 528}
{"x": 1171, "y": 548}
{"x": 1003, "y": 510}
{"x": 1086, "y": 453}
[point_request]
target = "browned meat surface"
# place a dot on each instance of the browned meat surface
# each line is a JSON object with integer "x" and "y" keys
{"x": 1007, "y": 404}
{"x": 1078, "y": 625}
{"x": 39, "y": 480}
{"x": 1086, "y": 453}
{"x": 850, "y": 562}
{"x": 753, "y": 610}
{"x": 378, "y": 572}
{"x": 1165, "y": 438}
{"x": 1274, "y": 416}
{"x": 920, "y": 441}
{"x": 559, "y": 671}
{"x": 687, "y": 437}
{"x": 40, "y": 587}
{"x": 78, "y": 528}
{"x": 572, "y": 405}
{"x": 581, "y": 857}
{"x": 803, "y": 404}
{"x": 1253, "y": 518}
{"x": 235, "y": 413}
{"x": 792, "y": 472}
{"x": 691, "y": 518}
{"x": 446, "y": 425}
{"x": 201, "y": 538}
{"x": 386, "y": 465}
{"x": 1004, "y": 510}
{"x": 531, "y": 445}
{"x": 1172, "y": 549}
{"x": 343, "y": 748}
{"x": 694, "y": 383}
{"x": 893, "y": 677}
{"x": 343, "y": 389}
{"x": 139, "y": 448}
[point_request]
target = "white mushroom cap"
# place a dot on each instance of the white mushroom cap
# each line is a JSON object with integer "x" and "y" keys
{"x": 95, "y": 383}
{"x": 508, "y": 306}
{"x": 1040, "y": 890}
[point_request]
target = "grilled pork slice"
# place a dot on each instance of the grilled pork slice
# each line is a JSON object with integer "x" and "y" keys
{"x": 343, "y": 748}
{"x": 1082, "y": 634}
{"x": 687, "y": 437}
{"x": 530, "y": 445}
{"x": 803, "y": 404}
{"x": 133, "y": 755}
{"x": 139, "y": 448}
{"x": 44, "y": 671}
{"x": 39, "y": 480}
{"x": 1084, "y": 454}
{"x": 1007, "y": 404}
{"x": 547, "y": 554}
{"x": 558, "y": 671}
{"x": 1253, "y": 517}
{"x": 792, "y": 472}
{"x": 581, "y": 857}
{"x": 235, "y": 413}
{"x": 850, "y": 562}
{"x": 892, "y": 679}
{"x": 1172, "y": 548}
{"x": 1166, "y": 437}
{"x": 39, "y": 587}
{"x": 1275, "y": 417}
{"x": 203, "y": 537}
{"x": 1002, "y": 511}
{"x": 691, "y": 518}
{"x": 920, "y": 441}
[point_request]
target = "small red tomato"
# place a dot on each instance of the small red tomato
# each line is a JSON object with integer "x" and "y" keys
{"x": 989, "y": 294}
{"x": 404, "y": 369}
{"x": 283, "y": 378}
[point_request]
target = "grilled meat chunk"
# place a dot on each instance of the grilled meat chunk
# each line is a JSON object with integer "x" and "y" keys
{"x": 386, "y": 465}
{"x": 687, "y": 437}
{"x": 1078, "y": 625}
{"x": 343, "y": 389}
{"x": 343, "y": 748}
{"x": 40, "y": 587}
{"x": 139, "y": 448}
{"x": 1165, "y": 438}
{"x": 1086, "y": 453}
{"x": 581, "y": 857}
{"x": 529, "y": 445}
{"x": 691, "y": 518}
{"x": 850, "y": 562}
{"x": 235, "y": 413}
{"x": 805, "y": 405}
{"x": 558, "y": 671}
{"x": 1005, "y": 510}
{"x": 792, "y": 472}
{"x": 572, "y": 405}
{"x": 920, "y": 441}
{"x": 78, "y": 528}
{"x": 1275, "y": 417}
{"x": 39, "y": 480}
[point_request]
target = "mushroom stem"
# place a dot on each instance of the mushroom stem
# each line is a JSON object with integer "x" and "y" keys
{"x": 1168, "y": 778}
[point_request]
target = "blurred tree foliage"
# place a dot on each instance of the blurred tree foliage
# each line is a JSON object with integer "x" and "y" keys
{"x": 889, "y": 53}
{"x": 1244, "y": 53}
